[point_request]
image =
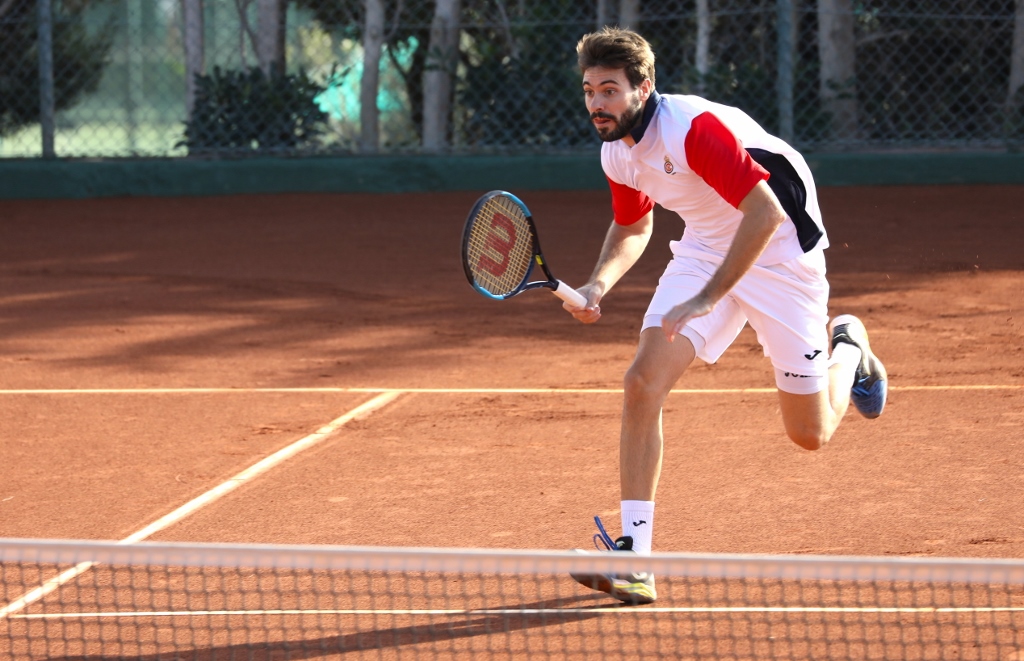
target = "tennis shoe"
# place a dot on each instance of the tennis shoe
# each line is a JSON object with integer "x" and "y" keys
{"x": 633, "y": 588}
{"x": 870, "y": 382}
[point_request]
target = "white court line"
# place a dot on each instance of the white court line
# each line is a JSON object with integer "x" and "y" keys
{"x": 210, "y": 496}
{"x": 530, "y": 611}
{"x": 483, "y": 391}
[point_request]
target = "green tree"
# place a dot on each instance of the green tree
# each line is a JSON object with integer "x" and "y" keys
{"x": 247, "y": 111}
{"x": 407, "y": 30}
{"x": 79, "y": 59}
{"x": 522, "y": 85}
{"x": 934, "y": 71}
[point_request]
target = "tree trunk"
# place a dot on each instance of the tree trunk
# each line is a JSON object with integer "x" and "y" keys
{"x": 373, "y": 42}
{"x": 629, "y": 14}
{"x": 787, "y": 17}
{"x": 702, "y": 58}
{"x": 192, "y": 13}
{"x": 47, "y": 100}
{"x": 836, "y": 50}
{"x": 1017, "y": 56}
{"x": 604, "y": 13}
{"x": 271, "y": 27}
{"x": 442, "y": 58}
{"x": 135, "y": 58}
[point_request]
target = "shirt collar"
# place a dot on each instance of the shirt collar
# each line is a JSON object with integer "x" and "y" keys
{"x": 652, "y": 104}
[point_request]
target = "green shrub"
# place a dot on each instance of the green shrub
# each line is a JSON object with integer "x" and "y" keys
{"x": 246, "y": 111}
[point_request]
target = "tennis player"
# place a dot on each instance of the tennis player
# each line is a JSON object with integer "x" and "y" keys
{"x": 752, "y": 251}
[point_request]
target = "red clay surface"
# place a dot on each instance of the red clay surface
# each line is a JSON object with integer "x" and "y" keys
{"x": 343, "y": 291}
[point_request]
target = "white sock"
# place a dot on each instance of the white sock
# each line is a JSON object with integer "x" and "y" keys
{"x": 638, "y": 523}
{"x": 845, "y": 354}
{"x": 847, "y": 357}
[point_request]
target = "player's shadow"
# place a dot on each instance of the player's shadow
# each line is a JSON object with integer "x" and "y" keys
{"x": 381, "y": 638}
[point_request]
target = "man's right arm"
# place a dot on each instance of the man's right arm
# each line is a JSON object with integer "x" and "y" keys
{"x": 623, "y": 245}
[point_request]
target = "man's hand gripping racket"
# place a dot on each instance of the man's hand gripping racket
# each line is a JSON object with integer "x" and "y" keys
{"x": 500, "y": 249}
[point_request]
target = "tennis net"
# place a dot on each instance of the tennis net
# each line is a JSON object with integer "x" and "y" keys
{"x": 95, "y": 600}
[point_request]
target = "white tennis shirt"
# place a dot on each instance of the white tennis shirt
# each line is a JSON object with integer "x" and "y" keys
{"x": 700, "y": 159}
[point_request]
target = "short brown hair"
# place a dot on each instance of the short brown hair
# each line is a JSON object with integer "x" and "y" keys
{"x": 616, "y": 48}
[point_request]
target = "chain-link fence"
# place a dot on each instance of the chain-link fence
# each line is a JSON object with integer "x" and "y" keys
{"x": 119, "y": 78}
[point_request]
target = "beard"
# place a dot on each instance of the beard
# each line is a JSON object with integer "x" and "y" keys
{"x": 624, "y": 123}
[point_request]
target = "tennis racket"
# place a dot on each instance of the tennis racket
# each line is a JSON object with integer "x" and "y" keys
{"x": 500, "y": 249}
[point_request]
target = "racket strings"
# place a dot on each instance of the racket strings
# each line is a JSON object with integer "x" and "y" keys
{"x": 500, "y": 247}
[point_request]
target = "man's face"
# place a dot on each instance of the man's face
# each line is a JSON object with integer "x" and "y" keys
{"x": 614, "y": 105}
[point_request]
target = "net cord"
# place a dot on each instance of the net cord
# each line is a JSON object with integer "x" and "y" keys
{"x": 804, "y": 567}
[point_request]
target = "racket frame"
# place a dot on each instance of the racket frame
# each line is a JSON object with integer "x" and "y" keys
{"x": 557, "y": 287}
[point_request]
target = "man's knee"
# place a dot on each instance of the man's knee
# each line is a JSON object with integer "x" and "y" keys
{"x": 656, "y": 368}
{"x": 808, "y": 419}
{"x": 644, "y": 384}
{"x": 810, "y": 433}
{"x": 808, "y": 439}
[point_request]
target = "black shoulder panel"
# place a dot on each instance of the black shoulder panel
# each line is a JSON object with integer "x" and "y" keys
{"x": 791, "y": 193}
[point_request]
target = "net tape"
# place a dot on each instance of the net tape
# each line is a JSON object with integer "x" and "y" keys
{"x": 203, "y": 601}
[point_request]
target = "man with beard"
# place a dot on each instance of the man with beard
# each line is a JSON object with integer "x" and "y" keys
{"x": 752, "y": 251}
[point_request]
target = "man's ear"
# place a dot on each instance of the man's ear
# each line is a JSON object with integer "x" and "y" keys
{"x": 646, "y": 88}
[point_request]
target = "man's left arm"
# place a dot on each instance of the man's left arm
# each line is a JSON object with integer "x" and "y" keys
{"x": 762, "y": 216}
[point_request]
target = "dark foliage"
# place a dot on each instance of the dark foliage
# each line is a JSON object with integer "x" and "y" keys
{"x": 79, "y": 59}
{"x": 246, "y": 111}
{"x": 522, "y": 86}
{"x": 929, "y": 78}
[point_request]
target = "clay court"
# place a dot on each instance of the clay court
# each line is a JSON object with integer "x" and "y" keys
{"x": 154, "y": 348}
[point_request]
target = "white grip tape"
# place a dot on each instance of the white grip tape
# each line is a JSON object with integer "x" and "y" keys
{"x": 570, "y": 295}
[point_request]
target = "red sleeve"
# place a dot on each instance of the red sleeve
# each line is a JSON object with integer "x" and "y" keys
{"x": 718, "y": 157}
{"x": 628, "y": 204}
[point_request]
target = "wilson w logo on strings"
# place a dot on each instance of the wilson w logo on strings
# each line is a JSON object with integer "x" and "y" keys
{"x": 500, "y": 241}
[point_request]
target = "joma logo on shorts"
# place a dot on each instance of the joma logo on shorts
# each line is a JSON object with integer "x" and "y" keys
{"x": 799, "y": 376}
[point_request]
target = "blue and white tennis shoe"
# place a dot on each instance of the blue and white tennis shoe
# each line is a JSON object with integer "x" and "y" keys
{"x": 870, "y": 383}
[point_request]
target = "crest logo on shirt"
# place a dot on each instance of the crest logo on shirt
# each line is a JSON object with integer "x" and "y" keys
{"x": 669, "y": 168}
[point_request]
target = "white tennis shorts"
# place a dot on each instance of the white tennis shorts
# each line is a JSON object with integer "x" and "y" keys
{"x": 786, "y": 305}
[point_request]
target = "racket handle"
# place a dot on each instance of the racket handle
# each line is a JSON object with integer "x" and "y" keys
{"x": 569, "y": 295}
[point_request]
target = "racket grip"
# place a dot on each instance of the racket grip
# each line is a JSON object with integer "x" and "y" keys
{"x": 569, "y": 295}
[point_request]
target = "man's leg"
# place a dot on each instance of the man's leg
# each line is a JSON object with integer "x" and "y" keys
{"x": 810, "y": 420}
{"x": 656, "y": 368}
